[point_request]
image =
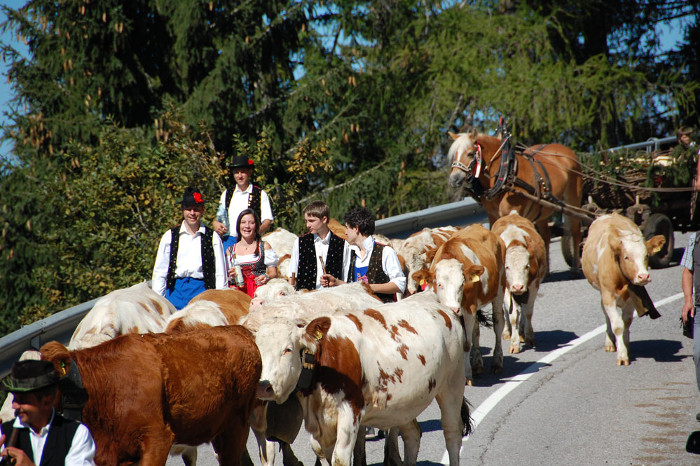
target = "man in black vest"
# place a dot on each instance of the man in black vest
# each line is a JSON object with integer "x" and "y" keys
{"x": 190, "y": 257}
{"x": 241, "y": 194}
{"x": 319, "y": 256}
{"x": 39, "y": 435}
{"x": 374, "y": 263}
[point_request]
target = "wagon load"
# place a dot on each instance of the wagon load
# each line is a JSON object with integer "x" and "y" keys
{"x": 651, "y": 188}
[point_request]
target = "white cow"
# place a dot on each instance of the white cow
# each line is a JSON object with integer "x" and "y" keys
{"x": 307, "y": 306}
{"x": 414, "y": 248}
{"x": 271, "y": 291}
{"x": 379, "y": 367}
{"x": 615, "y": 261}
{"x": 136, "y": 309}
{"x": 525, "y": 267}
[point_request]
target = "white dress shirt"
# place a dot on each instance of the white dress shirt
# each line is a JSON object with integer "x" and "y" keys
{"x": 239, "y": 202}
{"x": 189, "y": 259}
{"x": 82, "y": 448}
{"x": 321, "y": 247}
{"x": 390, "y": 262}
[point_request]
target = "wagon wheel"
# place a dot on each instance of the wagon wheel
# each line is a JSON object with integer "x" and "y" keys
{"x": 659, "y": 224}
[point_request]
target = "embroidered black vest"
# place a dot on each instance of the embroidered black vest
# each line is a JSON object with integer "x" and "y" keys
{"x": 696, "y": 269}
{"x": 58, "y": 442}
{"x": 253, "y": 201}
{"x": 306, "y": 277}
{"x": 208, "y": 267}
{"x": 375, "y": 271}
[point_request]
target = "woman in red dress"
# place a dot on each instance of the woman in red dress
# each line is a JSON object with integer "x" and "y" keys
{"x": 255, "y": 257}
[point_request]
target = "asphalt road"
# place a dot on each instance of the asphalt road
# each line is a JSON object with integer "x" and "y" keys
{"x": 566, "y": 402}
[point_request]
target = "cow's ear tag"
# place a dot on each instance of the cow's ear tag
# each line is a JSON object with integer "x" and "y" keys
{"x": 63, "y": 368}
{"x": 656, "y": 249}
{"x": 422, "y": 282}
{"x": 475, "y": 278}
{"x": 318, "y": 335}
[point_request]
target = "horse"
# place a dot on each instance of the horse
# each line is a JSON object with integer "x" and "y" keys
{"x": 548, "y": 171}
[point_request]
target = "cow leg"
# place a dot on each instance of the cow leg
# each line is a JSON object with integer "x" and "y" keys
{"x": 156, "y": 449}
{"x": 321, "y": 454}
{"x": 623, "y": 358}
{"x": 410, "y": 432}
{"x": 498, "y": 324}
{"x": 230, "y": 444}
{"x": 471, "y": 343}
{"x": 392, "y": 457}
{"x": 450, "y": 402}
{"x": 346, "y": 434}
{"x": 266, "y": 448}
{"x": 528, "y": 310}
{"x": 616, "y": 330}
{"x": 288, "y": 456}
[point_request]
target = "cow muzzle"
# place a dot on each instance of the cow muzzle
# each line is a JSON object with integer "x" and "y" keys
{"x": 265, "y": 391}
{"x": 642, "y": 279}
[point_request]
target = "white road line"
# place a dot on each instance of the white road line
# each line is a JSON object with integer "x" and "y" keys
{"x": 512, "y": 383}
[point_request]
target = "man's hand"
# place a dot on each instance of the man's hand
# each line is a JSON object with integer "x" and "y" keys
{"x": 16, "y": 456}
{"x": 219, "y": 227}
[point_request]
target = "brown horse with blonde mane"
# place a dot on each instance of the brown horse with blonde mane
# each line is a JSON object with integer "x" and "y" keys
{"x": 552, "y": 171}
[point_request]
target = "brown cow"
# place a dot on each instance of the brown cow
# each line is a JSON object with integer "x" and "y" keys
{"x": 525, "y": 268}
{"x": 147, "y": 392}
{"x": 615, "y": 261}
{"x": 209, "y": 309}
{"x": 467, "y": 273}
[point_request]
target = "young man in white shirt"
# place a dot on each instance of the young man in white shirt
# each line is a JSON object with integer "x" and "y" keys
{"x": 40, "y": 435}
{"x": 240, "y": 195}
{"x": 374, "y": 263}
{"x": 190, "y": 257}
{"x": 319, "y": 256}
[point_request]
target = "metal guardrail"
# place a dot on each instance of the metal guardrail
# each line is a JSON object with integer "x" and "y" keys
{"x": 648, "y": 144}
{"x": 60, "y": 326}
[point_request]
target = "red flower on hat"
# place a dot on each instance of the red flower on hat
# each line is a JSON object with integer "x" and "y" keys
{"x": 197, "y": 198}
{"x": 250, "y": 162}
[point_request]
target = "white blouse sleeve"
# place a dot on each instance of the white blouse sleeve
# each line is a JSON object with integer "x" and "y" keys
{"x": 271, "y": 258}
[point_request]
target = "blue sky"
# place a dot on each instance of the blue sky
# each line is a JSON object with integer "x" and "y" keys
{"x": 671, "y": 34}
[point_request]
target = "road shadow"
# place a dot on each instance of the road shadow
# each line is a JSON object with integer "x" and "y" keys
{"x": 562, "y": 276}
{"x": 658, "y": 350}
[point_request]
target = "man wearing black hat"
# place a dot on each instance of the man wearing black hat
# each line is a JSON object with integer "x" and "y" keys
{"x": 240, "y": 195}
{"x": 39, "y": 435}
{"x": 190, "y": 257}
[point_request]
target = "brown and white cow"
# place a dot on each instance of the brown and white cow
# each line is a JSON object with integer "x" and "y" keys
{"x": 136, "y": 309}
{"x": 148, "y": 391}
{"x": 209, "y": 309}
{"x": 615, "y": 261}
{"x": 379, "y": 367}
{"x": 525, "y": 268}
{"x": 466, "y": 272}
{"x": 413, "y": 251}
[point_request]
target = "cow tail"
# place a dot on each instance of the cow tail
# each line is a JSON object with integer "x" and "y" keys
{"x": 466, "y": 418}
{"x": 484, "y": 319}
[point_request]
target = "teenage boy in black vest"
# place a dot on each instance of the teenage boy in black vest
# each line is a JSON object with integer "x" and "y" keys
{"x": 374, "y": 263}
{"x": 318, "y": 257}
{"x": 39, "y": 435}
{"x": 241, "y": 194}
{"x": 190, "y": 257}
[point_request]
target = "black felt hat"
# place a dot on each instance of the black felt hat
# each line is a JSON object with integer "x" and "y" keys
{"x": 27, "y": 376}
{"x": 192, "y": 197}
{"x": 241, "y": 162}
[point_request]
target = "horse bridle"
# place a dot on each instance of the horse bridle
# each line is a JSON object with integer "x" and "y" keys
{"x": 468, "y": 169}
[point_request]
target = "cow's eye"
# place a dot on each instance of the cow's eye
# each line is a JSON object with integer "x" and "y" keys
{"x": 287, "y": 350}
{"x": 507, "y": 267}
{"x": 283, "y": 293}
